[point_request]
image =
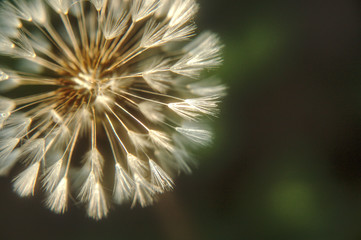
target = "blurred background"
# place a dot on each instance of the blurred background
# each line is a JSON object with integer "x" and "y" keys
{"x": 286, "y": 161}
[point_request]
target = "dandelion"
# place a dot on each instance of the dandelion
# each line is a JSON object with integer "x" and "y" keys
{"x": 102, "y": 99}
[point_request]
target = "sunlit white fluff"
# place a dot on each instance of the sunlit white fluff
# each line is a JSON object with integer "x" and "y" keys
{"x": 22, "y": 47}
{"x": 24, "y": 183}
{"x": 11, "y": 159}
{"x": 181, "y": 11}
{"x": 136, "y": 165}
{"x": 144, "y": 191}
{"x": 16, "y": 126}
{"x": 34, "y": 10}
{"x": 98, "y": 4}
{"x": 6, "y": 148}
{"x": 110, "y": 91}
{"x": 153, "y": 112}
{"x": 6, "y": 106}
{"x": 115, "y": 24}
{"x": 34, "y": 150}
{"x": 123, "y": 185}
{"x": 203, "y": 52}
{"x": 16, "y": 11}
{"x": 159, "y": 176}
{"x": 95, "y": 162}
{"x": 157, "y": 75}
{"x": 191, "y": 109}
{"x": 143, "y": 8}
{"x": 139, "y": 140}
{"x": 207, "y": 87}
{"x": 160, "y": 139}
{"x": 52, "y": 175}
{"x": 97, "y": 206}
{"x": 87, "y": 187}
{"x": 61, "y": 6}
{"x": 58, "y": 199}
{"x": 196, "y": 135}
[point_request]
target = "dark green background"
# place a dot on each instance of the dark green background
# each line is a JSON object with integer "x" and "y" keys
{"x": 286, "y": 162}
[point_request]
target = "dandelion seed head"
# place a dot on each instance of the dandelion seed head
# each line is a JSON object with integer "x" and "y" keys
{"x": 112, "y": 100}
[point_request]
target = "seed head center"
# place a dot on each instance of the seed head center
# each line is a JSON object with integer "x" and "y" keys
{"x": 86, "y": 81}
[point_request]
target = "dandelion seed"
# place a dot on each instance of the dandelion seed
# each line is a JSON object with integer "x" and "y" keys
{"x": 24, "y": 183}
{"x": 153, "y": 112}
{"x": 11, "y": 160}
{"x": 191, "y": 109}
{"x": 58, "y": 199}
{"x": 115, "y": 24}
{"x": 207, "y": 87}
{"x": 109, "y": 79}
{"x": 15, "y": 126}
{"x": 139, "y": 140}
{"x": 142, "y": 8}
{"x": 160, "y": 139}
{"x": 202, "y": 53}
{"x": 98, "y": 4}
{"x": 136, "y": 165}
{"x": 52, "y": 175}
{"x": 34, "y": 150}
{"x": 157, "y": 75}
{"x": 6, "y": 106}
{"x": 88, "y": 187}
{"x": 8, "y": 81}
{"x": 32, "y": 10}
{"x": 195, "y": 134}
{"x": 61, "y": 6}
{"x": 144, "y": 191}
{"x": 96, "y": 161}
{"x": 123, "y": 185}
{"x": 160, "y": 177}
{"x": 6, "y": 148}
{"x": 97, "y": 206}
